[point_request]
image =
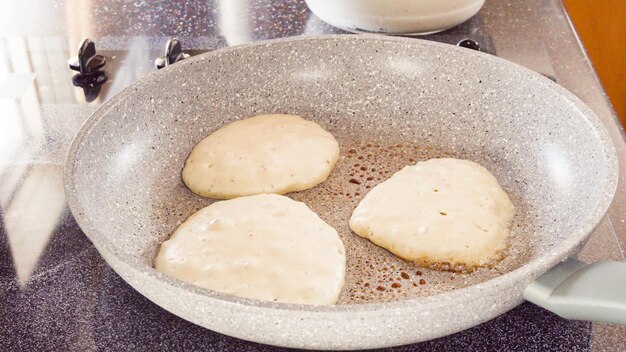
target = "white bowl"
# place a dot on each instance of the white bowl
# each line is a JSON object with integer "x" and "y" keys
{"x": 395, "y": 16}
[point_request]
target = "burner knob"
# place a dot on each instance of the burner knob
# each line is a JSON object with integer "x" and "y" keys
{"x": 87, "y": 62}
{"x": 173, "y": 54}
{"x": 469, "y": 43}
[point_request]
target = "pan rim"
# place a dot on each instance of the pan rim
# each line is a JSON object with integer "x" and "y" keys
{"x": 523, "y": 274}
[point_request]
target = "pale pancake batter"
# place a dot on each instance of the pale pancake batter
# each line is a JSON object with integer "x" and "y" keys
{"x": 445, "y": 213}
{"x": 261, "y": 154}
{"x": 266, "y": 247}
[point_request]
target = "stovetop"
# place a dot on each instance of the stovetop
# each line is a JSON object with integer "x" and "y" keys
{"x": 57, "y": 293}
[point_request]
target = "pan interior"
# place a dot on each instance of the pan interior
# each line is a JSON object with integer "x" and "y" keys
{"x": 389, "y": 104}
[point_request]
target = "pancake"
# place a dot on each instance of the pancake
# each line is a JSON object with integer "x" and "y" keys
{"x": 442, "y": 213}
{"x": 267, "y": 247}
{"x": 262, "y": 154}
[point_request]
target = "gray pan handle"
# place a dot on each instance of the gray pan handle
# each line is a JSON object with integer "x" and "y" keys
{"x": 575, "y": 290}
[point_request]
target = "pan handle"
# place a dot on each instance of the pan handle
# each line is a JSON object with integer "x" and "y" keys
{"x": 575, "y": 290}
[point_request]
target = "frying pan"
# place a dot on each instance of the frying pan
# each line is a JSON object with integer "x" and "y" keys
{"x": 389, "y": 102}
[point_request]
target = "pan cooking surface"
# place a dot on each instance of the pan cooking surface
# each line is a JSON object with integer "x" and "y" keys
{"x": 384, "y": 113}
{"x": 370, "y": 154}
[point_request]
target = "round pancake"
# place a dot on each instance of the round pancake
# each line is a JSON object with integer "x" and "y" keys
{"x": 262, "y": 154}
{"x": 442, "y": 213}
{"x": 266, "y": 247}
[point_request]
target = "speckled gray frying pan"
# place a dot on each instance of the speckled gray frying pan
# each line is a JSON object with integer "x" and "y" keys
{"x": 389, "y": 102}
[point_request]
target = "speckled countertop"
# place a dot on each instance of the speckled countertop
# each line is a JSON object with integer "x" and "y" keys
{"x": 57, "y": 293}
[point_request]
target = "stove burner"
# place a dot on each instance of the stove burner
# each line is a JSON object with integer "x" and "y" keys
{"x": 173, "y": 54}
